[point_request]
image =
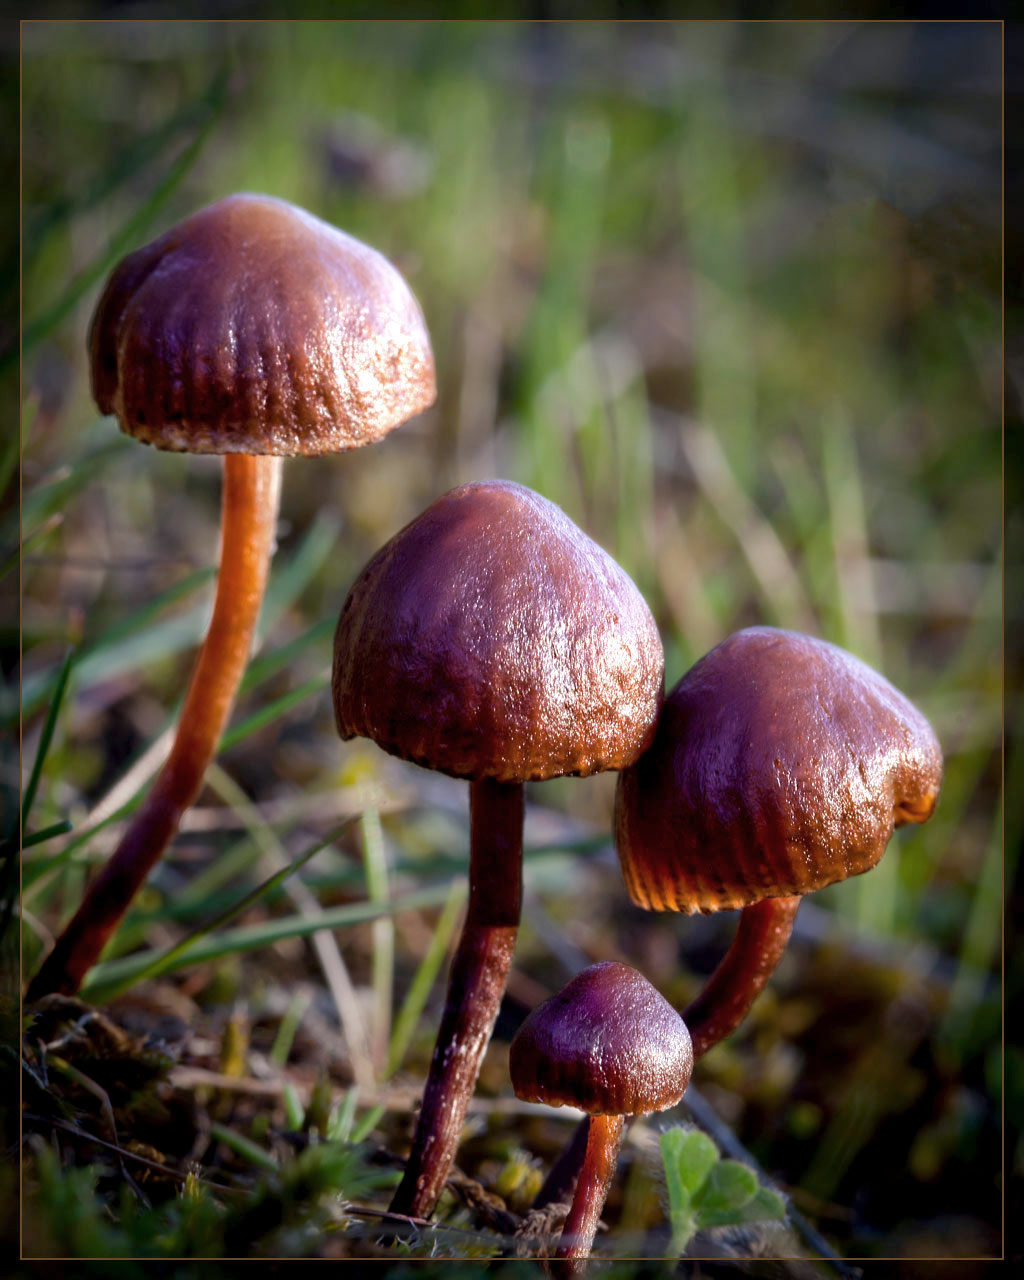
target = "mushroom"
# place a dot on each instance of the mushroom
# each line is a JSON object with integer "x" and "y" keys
{"x": 492, "y": 640}
{"x": 781, "y": 764}
{"x": 254, "y": 330}
{"x": 612, "y": 1045}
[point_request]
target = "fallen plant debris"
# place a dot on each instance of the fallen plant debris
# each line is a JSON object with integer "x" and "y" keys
{"x": 184, "y": 1125}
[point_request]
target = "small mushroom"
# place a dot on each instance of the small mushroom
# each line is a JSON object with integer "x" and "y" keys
{"x": 253, "y": 330}
{"x": 492, "y": 640}
{"x": 612, "y": 1045}
{"x": 781, "y": 764}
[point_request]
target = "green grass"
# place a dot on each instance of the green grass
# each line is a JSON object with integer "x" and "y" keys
{"x": 730, "y": 353}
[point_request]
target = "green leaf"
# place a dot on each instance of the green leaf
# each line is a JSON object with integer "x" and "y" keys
{"x": 766, "y": 1206}
{"x": 688, "y": 1156}
{"x": 729, "y": 1186}
{"x": 706, "y": 1191}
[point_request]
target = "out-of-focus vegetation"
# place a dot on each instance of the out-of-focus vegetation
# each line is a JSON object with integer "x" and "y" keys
{"x": 729, "y": 294}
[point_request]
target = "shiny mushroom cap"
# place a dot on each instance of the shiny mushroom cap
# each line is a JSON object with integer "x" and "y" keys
{"x": 253, "y": 327}
{"x": 491, "y": 638}
{"x": 608, "y": 1043}
{"x": 781, "y": 764}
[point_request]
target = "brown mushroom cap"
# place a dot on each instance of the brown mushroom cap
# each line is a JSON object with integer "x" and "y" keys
{"x": 491, "y": 638}
{"x": 608, "y": 1043}
{"x": 781, "y": 764}
{"x": 253, "y": 327}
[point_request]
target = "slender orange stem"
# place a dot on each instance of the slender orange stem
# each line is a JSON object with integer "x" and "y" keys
{"x": 604, "y": 1134}
{"x": 249, "y": 518}
{"x": 475, "y": 988}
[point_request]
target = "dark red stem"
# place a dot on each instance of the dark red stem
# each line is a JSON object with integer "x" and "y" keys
{"x": 561, "y": 1179}
{"x": 475, "y": 988}
{"x": 249, "y": 520}
{"x": 604, "y": 1134}
{"x": 760, "y": 941}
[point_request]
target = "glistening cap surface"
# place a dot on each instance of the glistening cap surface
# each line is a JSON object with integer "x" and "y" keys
{"x": 609, "y": 1043}
{"x": 254, "y": 327}
{"x": 781, "y": 764}
{"x": 492, "y": 638}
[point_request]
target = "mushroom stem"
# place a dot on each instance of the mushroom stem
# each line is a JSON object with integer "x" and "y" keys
{"x": 761, "y": 938}
{"x": 475, "y": 988}
{"x": 249, "y": 519}
{"x": 560, "y": 1183}
{"x": 604, "y": 1134}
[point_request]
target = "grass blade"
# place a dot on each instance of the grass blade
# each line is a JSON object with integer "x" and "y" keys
{"x": 135, "y": 642}
{"x": 363, "y": 1128}
{"x": 295, "y": 1112}
{"x": 11, "y": 451}
{"x": 130, "y": 234}
{"x": 243, "y": 1147}
{"x": 290, "y": 580}
{"x": 16, "y": 558}
{"x": 47, "y": 833}
{"x": 382, "y": 932}
{"x": 56, "y": 491}
{"x": 45, "y": 738}
{"x": 339, "y": 1127}
{"x": 289, "y": 1025}
{"x": 268, "y": 664}
{"x": 167, "y": 960}
{"x": 34, "y": 874}
{"x": 271, "y": 712}
{"x": 111, "y": 976}
{"x": 130, "y": 159}
{"x": 335, "y": 971}
{"x": 423, "y": 980}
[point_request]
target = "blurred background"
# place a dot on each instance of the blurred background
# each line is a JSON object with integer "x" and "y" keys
{"x": 730, "y": 294}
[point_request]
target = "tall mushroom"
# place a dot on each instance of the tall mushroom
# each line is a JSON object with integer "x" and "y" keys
{"x": 781, "y": 764}
{"x": 492, "y": 640}
{"x": 254, "y": 330}
{"x": 612, "y": 1045}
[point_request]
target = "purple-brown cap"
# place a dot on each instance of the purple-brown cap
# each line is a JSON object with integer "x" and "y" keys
{"x": 491, "y": 638}
{"x": 254, "y": 327}
{"x": 781, "y": 764}
{"x": 608, "y": 1043}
